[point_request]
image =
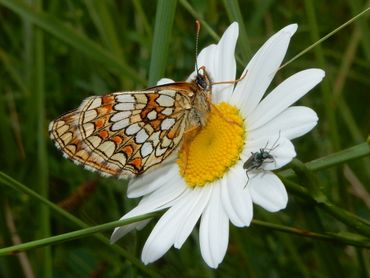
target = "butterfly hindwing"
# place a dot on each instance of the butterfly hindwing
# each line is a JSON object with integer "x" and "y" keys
{"x": 123, "y": 134}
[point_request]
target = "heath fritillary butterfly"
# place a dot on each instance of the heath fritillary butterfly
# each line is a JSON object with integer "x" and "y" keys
{"x": 124, "y": 134}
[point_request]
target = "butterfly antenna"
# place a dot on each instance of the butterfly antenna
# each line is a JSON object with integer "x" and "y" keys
{"x": 197, "y": 23}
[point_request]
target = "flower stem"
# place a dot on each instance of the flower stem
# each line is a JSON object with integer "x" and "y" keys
{"x": 72, "y": 235}
{"x": 344, "y": 238}
{"x": 351, "y": 220}
{"x": 343, "y": 156}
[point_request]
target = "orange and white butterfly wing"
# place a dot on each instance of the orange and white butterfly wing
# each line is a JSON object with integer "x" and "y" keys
{"x": 124, "y": 134}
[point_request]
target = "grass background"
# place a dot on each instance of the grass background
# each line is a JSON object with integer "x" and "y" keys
{"x": 55, "y": 54}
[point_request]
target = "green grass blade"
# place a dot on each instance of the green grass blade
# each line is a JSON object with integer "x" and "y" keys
{"x": 327, "y": 36}
{"x": 143, "y": 18}
{"x": 363, "y": 25}
{"x": 44, "y": 258}
{"x": 14, "y": 184}
{"x": 165, "y": 15}
{"x": 100, "y": 14}
{"x": 346, "y": 239}
{"x": 233, "y": 10}
{"x": 8, "y": 63}
{"x": 55, "y": 27}
{"x": 325, "y": 85}
{"x": 334, "y": 159}
{"x": 258, "y": 15}
{"x": 73, "y": 235}
{"x": 198, "y": 16}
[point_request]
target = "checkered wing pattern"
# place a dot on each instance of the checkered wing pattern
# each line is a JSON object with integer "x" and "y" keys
{"x": 124, "y": 134}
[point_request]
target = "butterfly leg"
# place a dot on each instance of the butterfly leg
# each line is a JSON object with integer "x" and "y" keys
{"x": 188, "y": 137}
{"x": 231, "y": 81}
{"x": 230, "y": 121}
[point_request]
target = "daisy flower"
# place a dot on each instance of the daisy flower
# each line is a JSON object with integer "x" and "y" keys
{"x": 211, "y": 183}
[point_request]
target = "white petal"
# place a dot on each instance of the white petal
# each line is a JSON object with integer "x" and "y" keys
{"x": 138, "y": 210}
{"x": 164, "y": 81}
{"x": 200, "y": 200}
{"x": 158, "y": 200}
{"x": 142, "y": 224}
{"x": 228, "y": 205}
{"x": 284, "y": 95}
{"x": 164, "y": 233}
{"x": 220, "y": 62}
{"x": 214, "y": 230}
{"x": 268, "y": 191}
{"x": 205, "y": 247}
{"x": 283, "y": 154}
{"x": 294, "y": 122}
{"x": 165, "y": 195}
{"x": 122, "y": 231}
{"x": 240, "y": 198}
{"x": 208, "y": 58}
{"x": 149, "y": 182}
{"x": 225, "y": 70}
{"x": 261, "y": 70}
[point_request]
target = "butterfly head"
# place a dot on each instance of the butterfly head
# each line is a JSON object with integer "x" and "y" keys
{"x": 203, "y": 80}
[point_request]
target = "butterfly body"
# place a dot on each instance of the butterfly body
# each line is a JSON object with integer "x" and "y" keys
{"x": 124, "y": 134}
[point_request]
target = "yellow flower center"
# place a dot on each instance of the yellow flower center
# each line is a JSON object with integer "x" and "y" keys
{"x": 215, "y": 148}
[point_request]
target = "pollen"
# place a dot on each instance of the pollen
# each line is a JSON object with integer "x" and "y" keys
{"x": 214, "y": 148}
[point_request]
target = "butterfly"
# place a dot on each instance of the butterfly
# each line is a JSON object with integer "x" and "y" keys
{"x": 124, "y": 134}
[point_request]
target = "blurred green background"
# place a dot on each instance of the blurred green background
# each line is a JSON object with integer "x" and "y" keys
{"x": 53, "y": 54}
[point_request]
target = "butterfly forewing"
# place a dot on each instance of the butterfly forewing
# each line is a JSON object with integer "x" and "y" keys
{"x": 124, "y": 134}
